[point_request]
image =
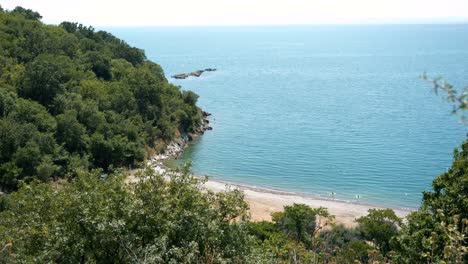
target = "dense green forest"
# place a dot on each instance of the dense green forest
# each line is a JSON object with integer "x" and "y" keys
{"x": 71, "y": 97}
{"x": 75, "y": 102}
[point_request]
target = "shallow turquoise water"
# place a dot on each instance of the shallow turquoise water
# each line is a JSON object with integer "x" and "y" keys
{"x": 320, "y": 109}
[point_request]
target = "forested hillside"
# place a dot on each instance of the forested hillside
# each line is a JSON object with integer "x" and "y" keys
{"x": 72, "y": 97}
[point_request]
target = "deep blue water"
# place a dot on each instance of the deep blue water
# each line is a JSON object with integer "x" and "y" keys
{"x": 320, "y": 109}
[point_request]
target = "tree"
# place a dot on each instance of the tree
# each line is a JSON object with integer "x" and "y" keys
{"x": 100, "y": 64}
{"x": 437, "y": 231}
{"x": 27, "y": 111}
{"x": 379, "y": 226}
{"x": 46, "y": 169}
{"x": 299, "y": 221}
{"x": 450, "y": 189}
{"x": 26, "y": 13}
{"x": 70, "y": 27}
{"x": 431, "y": 232}
{"x": 28, "y": 158}
{"x": 45, "y": 77}
{"x": 71, "y": 133}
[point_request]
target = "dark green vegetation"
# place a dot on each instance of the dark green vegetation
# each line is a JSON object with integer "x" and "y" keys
{"x": 156, "y": 220}
{"x": 107, "y": 221}
{"x": 71, "y": 97}
{"x": 76, "y": 103}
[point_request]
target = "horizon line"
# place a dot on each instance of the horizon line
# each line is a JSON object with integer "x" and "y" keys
{"x": 387, "y": 21}
{"x": 464, "y": 22}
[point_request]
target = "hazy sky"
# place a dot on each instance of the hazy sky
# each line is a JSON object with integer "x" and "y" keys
{"x": 242, "y": 12}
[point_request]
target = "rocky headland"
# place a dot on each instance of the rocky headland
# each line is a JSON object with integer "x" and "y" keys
{"x": 176, "y": 147}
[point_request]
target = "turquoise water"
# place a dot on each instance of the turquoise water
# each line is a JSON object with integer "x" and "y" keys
{"x": 320, "y": 109}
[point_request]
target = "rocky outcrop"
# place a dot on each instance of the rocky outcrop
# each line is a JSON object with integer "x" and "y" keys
{"x": 195, "y": 73}
{"x": 204, "y": 126}
{"x": 175, "y": 148}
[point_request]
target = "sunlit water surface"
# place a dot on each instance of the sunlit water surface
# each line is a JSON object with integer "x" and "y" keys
{"x": 320, "y": 109}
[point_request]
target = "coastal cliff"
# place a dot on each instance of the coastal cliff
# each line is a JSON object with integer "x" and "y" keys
{"x": 176, "y": 147}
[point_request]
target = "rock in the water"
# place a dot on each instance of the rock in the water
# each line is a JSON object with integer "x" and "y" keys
{"x": 195, "y": 73}
{"x": 180, "y": 76}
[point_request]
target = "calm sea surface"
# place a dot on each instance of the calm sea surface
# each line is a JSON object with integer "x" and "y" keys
{"x": 320, "y": 109}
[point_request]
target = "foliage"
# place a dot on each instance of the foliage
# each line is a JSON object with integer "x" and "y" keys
{"x": 437, "y": 232}
{"x": 153, "y": 220}
{"x": 26, "y": 13}
{"x": 379, "y": 226}
{"x": 342, "y": 244}
{"x": 458, "y": 99}
{"x": 299, "y": 221}
{"x": 70, "y": 95}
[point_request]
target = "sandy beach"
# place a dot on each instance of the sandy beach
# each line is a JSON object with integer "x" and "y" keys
{"x": 263, "y": 202}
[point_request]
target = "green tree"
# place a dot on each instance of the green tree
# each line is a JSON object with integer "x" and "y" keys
{"x": 28, "y": 158}
{"x": 46, "y": 169}
{"x": 437, "y": 231}
{"x": 26, "y": 13}
{"x": 299, "y": 221}
{"x": 45, "y": 77}
{"x": 71, "y": 133}
{"x": 379, "y": 226}
{"x": 427, "y": 236}
{"x": 100, "y": 64}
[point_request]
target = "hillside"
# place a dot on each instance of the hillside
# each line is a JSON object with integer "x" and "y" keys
{"x": 72, "y": 97}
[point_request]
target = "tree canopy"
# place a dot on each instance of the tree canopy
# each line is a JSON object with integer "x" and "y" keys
{"x": 152, "y": 220}
{"x": 72, "y": 96}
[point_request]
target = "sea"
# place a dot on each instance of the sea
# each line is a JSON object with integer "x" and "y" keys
{"x": 331, "y": 111}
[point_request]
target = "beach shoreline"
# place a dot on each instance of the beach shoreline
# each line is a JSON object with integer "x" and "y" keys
{"x": 264, "y": 201}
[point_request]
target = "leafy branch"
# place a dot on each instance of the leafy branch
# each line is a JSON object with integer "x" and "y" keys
{"x": 459, "y": 99}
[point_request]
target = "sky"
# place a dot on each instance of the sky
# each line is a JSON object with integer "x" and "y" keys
{"x": 108, "y": 13}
